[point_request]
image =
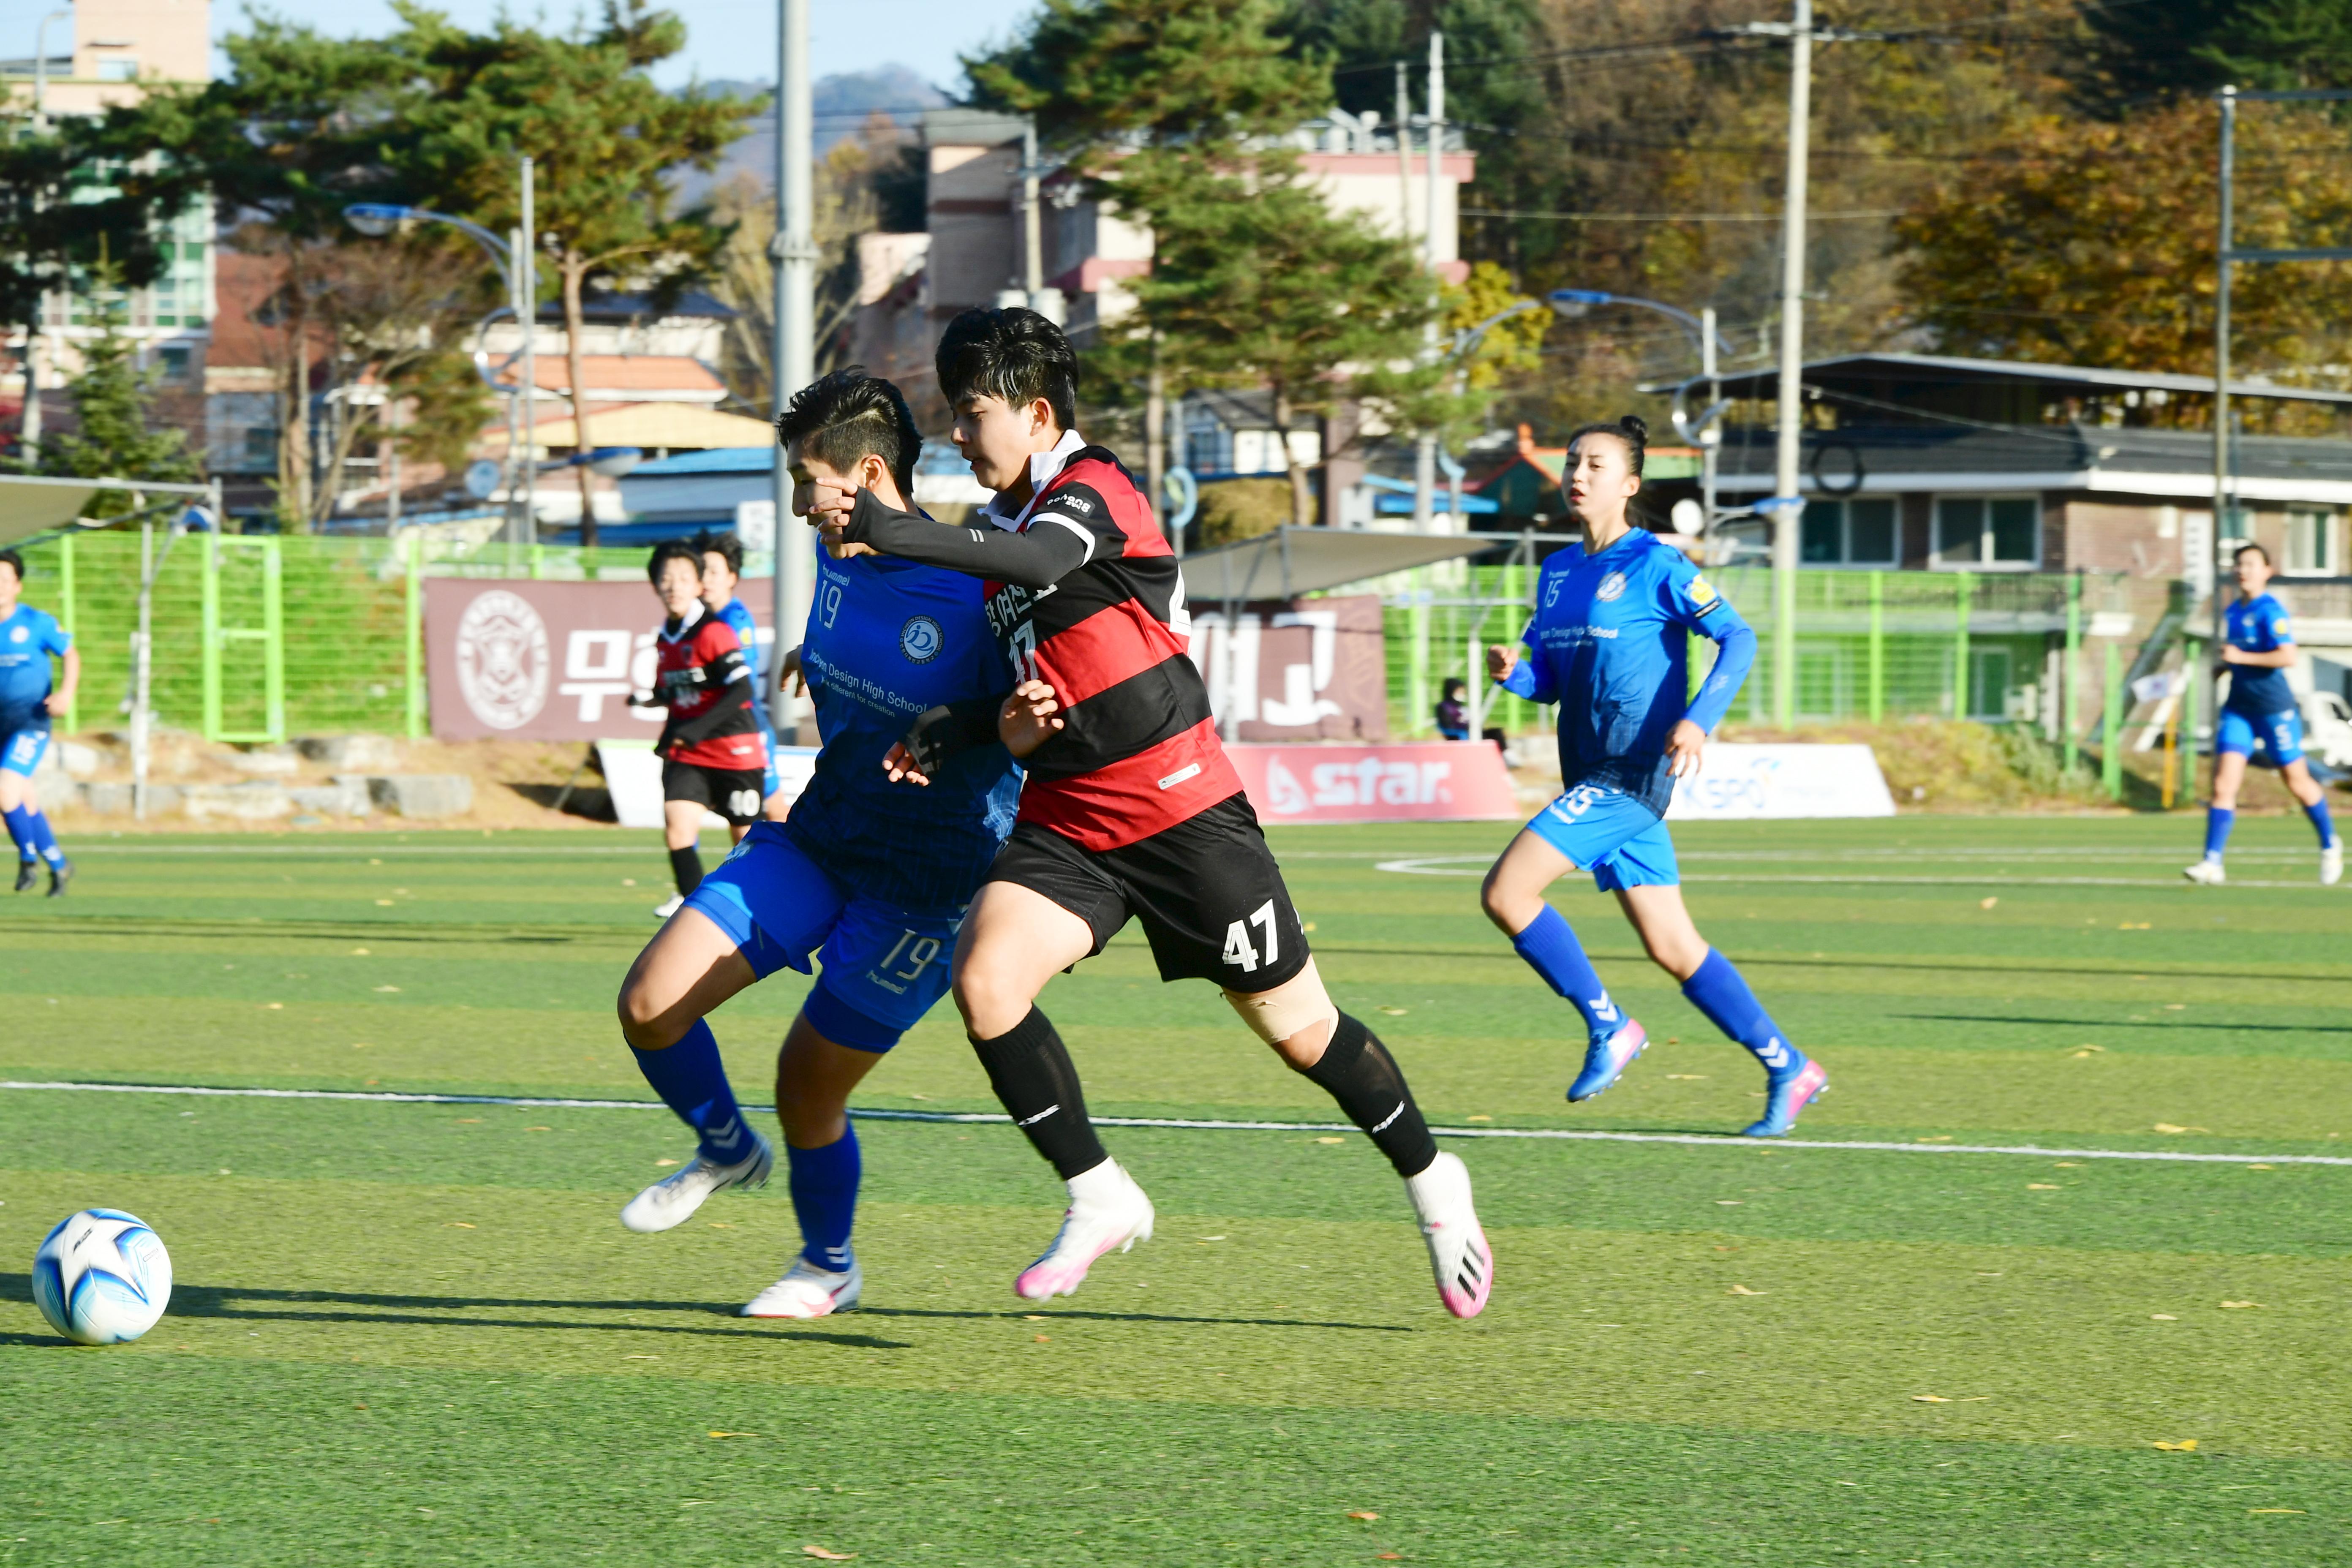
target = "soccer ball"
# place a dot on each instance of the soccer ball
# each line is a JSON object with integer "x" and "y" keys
{"x": 102, "y": 1277}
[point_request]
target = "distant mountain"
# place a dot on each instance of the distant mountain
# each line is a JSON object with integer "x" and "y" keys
{"x": 840, "y": 106}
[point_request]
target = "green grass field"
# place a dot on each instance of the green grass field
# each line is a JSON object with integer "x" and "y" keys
{"x": 414, "y": 1332}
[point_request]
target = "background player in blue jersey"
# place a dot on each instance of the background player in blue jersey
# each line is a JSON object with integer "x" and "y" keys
{"x": 27, "y": 639}
{"x": 870, "y": 877}
{"x": 2260, "y": 710}
{"x": 722, "y": 569}
{"x": 1609, "y": 643}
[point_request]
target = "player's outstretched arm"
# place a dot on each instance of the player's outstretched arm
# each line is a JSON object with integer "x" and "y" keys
{"x": 941, "y": 732}
{"x": 1037, "y": 559}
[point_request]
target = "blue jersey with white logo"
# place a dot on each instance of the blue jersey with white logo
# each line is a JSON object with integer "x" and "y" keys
{"x": 2259, "y": 624}
{"x": 746, "y": 632}
{"x": 886, "y": 640}
{"x": 1608, "y": 643}
{"x": 27, "y": 639}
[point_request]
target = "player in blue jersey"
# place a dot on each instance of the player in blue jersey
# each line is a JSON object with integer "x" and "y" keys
{"x": 27, "y": 639}
{"x": 1609, "y": 643}
{"x": 2260, "y": 711}
{"x": 722, "y": 569}
{"x": 870, "y": 879}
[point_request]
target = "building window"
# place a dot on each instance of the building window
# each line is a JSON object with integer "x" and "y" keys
{"x": 1987, "y": 532}
{"x": 1849, "y": 533}
{"x": 2311, "y": 541}
{"x": 172, "y": 360}
{"x": 118, "y": 69}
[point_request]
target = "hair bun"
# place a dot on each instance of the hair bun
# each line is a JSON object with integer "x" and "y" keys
{"x": 1634, "y": 425}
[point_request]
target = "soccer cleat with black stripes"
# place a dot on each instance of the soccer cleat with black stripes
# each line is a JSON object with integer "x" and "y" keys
{"x": 61, "y": 873}
{"x": 1459, "y": 1258}
{"x": 28, "y": 872}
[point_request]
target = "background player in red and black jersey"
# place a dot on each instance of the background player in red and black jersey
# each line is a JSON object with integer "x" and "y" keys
{"x": 1131, "y": 809}
{"x": 712, "y": 759}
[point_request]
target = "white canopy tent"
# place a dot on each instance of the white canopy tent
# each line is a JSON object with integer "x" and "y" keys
{"x": 1289, "y": 562}
{"x": 31, "y": 505}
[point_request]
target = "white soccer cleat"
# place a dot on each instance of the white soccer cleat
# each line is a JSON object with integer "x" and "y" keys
{"x": 675, "y": 902}
{"x": 673, "y": 1200}
{"x": 1090, "y": 1227}
{"x": 808, "y": 1292}
{"x": 1459, "y": 1258}
{"x": 2209, "y": 873}
{"x": 2331, "y": 864}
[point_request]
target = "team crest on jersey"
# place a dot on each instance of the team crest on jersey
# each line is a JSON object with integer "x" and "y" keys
{"x": 1611, "y": 587}
{"x": 920, "y": 639}
{"x": 17, "y": 634}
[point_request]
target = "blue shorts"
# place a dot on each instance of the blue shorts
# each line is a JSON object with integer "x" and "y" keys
{"x": 1612, "y": 835}
{"x": 21, "y": 753}
{"x": 884, "y": 966}
{"x": 2280, "y": 734}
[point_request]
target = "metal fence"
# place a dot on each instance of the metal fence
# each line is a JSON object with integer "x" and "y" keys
{"x": 258, "y": 637}
{"x": 1869, "y": 646}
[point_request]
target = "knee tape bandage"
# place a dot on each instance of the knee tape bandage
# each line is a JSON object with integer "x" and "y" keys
{"x": 1295, "y": 1005}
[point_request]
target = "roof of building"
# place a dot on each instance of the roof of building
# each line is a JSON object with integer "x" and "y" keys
{"x": 1904, "y": 378}
{"x": 604, "y": 307}
{"x": 628, "y": 378}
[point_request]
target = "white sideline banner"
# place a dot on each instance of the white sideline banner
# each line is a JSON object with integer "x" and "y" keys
{"x": 1742, "y": 782}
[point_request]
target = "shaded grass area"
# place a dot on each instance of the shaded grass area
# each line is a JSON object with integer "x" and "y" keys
{"x": 417, "y": 1334}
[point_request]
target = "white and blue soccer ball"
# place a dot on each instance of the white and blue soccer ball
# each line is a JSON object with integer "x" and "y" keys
{"x": 102, "y": 1276}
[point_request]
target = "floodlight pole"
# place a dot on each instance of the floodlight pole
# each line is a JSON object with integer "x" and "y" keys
{"x": 1787, "y": 503}
{"x": 1424, "y": 452}
{"x": 526, "y": 288}
{"x": 792, "y": 352}
{"x": 2226, "y": 256}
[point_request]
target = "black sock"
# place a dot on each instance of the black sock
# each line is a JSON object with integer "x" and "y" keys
{"x": 1357, "y": 1070}
{"x": 685, "y": 865}
{"x": 1034, "y": 1080}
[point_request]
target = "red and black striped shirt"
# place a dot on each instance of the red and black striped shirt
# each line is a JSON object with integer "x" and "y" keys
{"x": 1086, "y": 596}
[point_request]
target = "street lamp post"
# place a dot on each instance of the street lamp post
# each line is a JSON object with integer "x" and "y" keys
{"x": 514, "y": 264}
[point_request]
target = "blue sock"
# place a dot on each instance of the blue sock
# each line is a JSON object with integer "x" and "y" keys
{"x": 692, "y": 1082}
{"x": 1552, "y": 951}
{"x": 2317, "y": 811}
{"x": 44, "y": 838}
{"x": 2217, "y": 830}
{"x": 1717, "y": 991}
{"x": 20, "y": 831}
{"x": 824, "y": 1197}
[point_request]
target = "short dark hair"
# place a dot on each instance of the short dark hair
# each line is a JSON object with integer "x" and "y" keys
{"x": 847, "y": 416}
{"x": 670, "y": 549}
{"x": 2256, "y": 549}
{"x": 1012, "y": 353}
{"x": 10, "y": 558}
{"x": 727, "y": 544}
{"x": 1632, "y": 430}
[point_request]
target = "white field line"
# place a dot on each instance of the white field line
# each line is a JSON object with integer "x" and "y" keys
{"x": 1543, "y": 1134}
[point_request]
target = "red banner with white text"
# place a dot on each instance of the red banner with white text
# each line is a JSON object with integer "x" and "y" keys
{"x": 1432, "y": 781}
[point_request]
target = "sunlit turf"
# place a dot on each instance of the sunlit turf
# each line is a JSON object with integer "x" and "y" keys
{"x": 409, "y": 1332}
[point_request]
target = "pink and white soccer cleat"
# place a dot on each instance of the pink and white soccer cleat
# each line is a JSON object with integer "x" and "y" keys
{"x": 1113, "y": 1214}
{"x": 1459, "y": 1257}
{"x": 808, "y": 1292}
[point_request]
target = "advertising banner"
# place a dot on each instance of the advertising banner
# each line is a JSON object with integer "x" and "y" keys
{"x": 513, "y": 658}
{"x": 1745, "y": 783}
{"x": 1419, "y": 780}
{"x": 1311, "y": 670}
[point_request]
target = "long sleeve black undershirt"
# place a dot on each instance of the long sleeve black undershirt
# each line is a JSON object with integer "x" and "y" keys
{"x": 1037, "y": 559}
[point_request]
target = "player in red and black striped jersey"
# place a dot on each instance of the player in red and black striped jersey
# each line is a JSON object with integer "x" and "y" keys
{"x": 1131, "y": 809}
{"x": 712, "y": 757}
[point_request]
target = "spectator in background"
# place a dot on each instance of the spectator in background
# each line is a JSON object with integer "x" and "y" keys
{"x": 1452, "y": 717}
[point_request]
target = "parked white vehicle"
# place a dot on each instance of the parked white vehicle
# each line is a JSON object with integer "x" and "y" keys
{"x": 2328, "y": 727}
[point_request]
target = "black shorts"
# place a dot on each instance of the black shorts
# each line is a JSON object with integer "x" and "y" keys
{"x": 1207, "y": 890}
{"x": 732, "y": 792}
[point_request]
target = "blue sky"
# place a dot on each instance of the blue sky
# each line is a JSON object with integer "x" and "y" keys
{"x": 726, "y": 39}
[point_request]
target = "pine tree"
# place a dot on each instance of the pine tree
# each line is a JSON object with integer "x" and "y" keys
{"x": 1177, "y": 116}
{"x": 109, "y": 400}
